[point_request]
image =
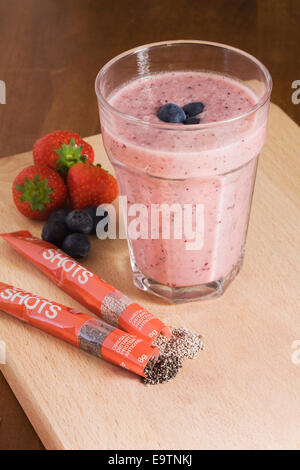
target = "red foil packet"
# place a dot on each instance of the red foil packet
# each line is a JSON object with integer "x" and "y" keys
{"x": 86, "y": 332}
{"x": 87, "y": 288}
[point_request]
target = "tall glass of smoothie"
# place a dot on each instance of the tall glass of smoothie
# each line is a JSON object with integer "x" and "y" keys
{"x": 183, "y": 123}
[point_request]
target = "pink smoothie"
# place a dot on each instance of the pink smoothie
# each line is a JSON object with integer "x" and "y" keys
{"x": 172, "y": 163}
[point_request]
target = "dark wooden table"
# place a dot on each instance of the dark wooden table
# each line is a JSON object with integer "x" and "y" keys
{"x": 51, "y": 51}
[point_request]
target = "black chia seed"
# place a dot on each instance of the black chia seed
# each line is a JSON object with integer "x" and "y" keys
{"x": 184, "y": 343}
{"x": 161, "y": 371}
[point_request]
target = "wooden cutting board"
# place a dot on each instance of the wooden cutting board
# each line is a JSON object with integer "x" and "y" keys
{"x": 242, "y": 392}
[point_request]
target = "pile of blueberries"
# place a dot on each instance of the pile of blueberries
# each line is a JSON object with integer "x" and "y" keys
{"x": 171, "y": 112}
{"x": 68, "y": 229}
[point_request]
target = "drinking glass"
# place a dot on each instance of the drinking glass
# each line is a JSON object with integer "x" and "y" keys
{"x": 207, "y": 171}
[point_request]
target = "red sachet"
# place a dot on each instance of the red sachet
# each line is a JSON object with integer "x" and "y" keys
{"x": 87, "y": 288}
{"x": 87, "y": 333}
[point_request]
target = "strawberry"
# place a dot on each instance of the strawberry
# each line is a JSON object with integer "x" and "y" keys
{"x": 37, "y": 191}
{"x": 90, "y": 185}
{"x": 60, "y": 150}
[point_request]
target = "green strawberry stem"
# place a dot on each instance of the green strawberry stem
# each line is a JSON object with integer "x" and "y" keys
{"x": 69, "y": 155}
{"x": 36, "y": 192}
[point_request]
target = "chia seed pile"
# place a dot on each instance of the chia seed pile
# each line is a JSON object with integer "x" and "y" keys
{"x": 163, "y": 370}
{"x": 183, "y": 344}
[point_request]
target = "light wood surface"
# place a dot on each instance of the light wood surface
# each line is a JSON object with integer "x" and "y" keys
{"x": 242, "y": 392}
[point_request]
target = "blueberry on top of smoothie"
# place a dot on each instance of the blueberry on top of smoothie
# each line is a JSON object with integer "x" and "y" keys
{"x": 192, "y": 109}
{"x": 170, "y": 112}
{"x": 192, "y": 120}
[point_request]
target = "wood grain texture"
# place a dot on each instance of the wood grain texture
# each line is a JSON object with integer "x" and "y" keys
{"x": 242, "y": 392}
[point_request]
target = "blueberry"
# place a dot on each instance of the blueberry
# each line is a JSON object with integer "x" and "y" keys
{"x": 76, "y": 245}
{"x": 54, "y": 232}
{"x": 171, "y": 113}
{"x": 192, "y": 120}
{"x": 79, "y": 221}
{"x": 58, "y": 216}
{"x": 97, "y": 218}
{"x": 92, "y": 212}
{"x": 192, "y": 109}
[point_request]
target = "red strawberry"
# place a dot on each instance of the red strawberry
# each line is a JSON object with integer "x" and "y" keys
{"x": 37, "y": 191}
{"x": 90, "y": 185}
{"x": 60, "y": 150}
